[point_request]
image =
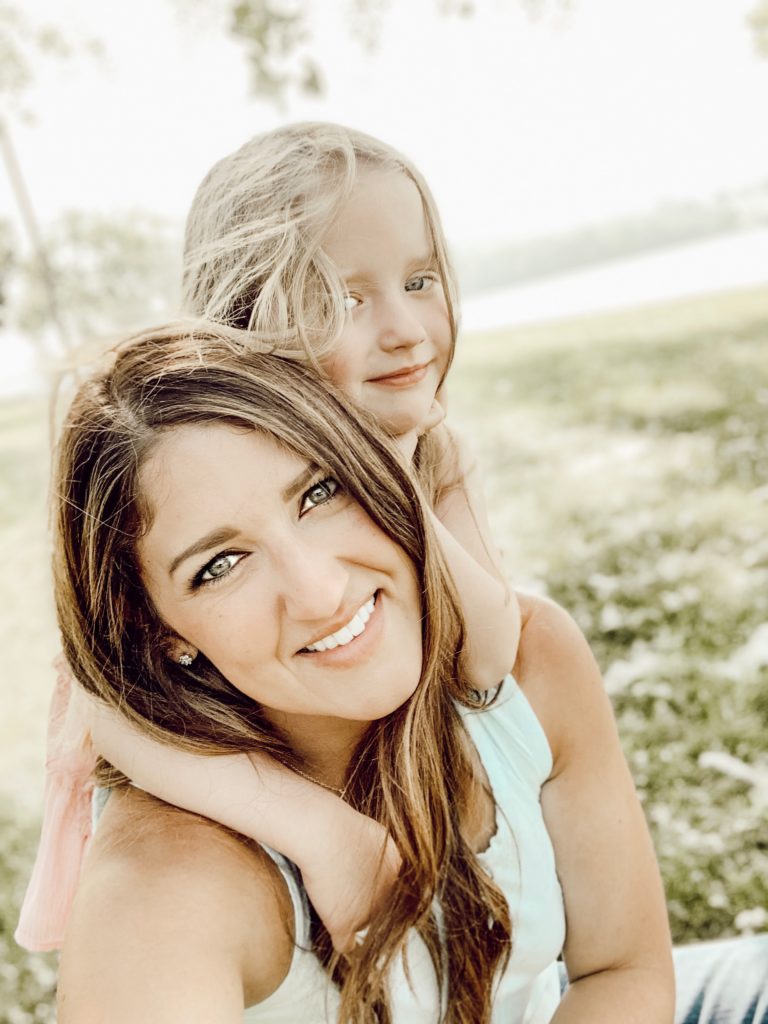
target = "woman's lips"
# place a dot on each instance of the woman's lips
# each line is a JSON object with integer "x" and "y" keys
{"x": 402, "y": 378}
{"x": 358, "y": 649}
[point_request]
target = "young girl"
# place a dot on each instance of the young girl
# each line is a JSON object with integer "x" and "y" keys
{"x": 326, "y": 244}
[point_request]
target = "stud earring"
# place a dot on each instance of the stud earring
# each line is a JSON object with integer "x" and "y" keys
{"x": 185, "y": 660}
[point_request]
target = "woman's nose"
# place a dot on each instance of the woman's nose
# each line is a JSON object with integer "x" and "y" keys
{"x": 314, "y": 582}
{"x": 399, "y": 326}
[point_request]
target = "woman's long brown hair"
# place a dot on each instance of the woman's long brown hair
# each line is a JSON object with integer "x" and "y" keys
{"x": 413, "y": 770}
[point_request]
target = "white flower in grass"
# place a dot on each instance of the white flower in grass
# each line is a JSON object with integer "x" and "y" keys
{"x": 751, "y": 921}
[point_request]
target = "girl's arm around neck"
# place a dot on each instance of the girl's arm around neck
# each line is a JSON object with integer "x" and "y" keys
{"x": 347, "y": 860}
{"x": 251, "y": 794}
{"x": 490, "y": 608}
{"x": 175, "y": 922}
{"x": 617, "y": 950}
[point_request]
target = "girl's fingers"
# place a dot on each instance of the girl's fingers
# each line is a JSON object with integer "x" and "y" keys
{"x": 435, "y": 416}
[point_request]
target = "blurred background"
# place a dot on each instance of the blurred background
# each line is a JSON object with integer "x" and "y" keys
{"x": 603, "y": 180}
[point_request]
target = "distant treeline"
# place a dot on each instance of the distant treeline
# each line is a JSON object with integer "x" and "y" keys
{"x": 670, "y": 224}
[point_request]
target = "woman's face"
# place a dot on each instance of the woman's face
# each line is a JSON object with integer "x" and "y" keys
{"x": 265, "y": 565}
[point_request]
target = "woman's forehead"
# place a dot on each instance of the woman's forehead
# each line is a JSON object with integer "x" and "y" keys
{"x": 203, "y": 478}
{"x": 197, "y": 458}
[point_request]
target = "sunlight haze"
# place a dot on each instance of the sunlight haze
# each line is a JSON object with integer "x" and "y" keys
{"x": 522, "y": 126}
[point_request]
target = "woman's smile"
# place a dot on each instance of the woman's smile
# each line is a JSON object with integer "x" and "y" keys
{"x": 346, "y": 633}
{"x": 355, "y": 642}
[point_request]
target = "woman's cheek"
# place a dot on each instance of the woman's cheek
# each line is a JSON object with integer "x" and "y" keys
{"x": 231, "y": 629}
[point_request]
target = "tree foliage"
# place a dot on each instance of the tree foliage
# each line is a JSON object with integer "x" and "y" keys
{"x": 274, "y": 39}
{"x": 8, "y": 262}
{"x": 22, "y": 43}
{"x": 758, "y": 22}
{"x": 112, "y": 274}
{"x": 278, "y": 36}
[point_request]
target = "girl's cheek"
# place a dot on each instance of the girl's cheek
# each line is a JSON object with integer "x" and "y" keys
{"x": 340, "y": 368}
{"x": 349, "y": 363}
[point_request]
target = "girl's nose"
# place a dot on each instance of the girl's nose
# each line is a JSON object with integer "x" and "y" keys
{"x": 399, "y": 325}
{"x": 314, "y": 582}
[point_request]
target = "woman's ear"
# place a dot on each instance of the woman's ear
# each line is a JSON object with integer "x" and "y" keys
{"x": 179, "y": 650}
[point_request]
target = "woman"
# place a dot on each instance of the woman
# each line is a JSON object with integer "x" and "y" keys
{"x": 221, "y": 513}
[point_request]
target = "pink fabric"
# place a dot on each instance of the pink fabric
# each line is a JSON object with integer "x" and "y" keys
{"x": 70, "y": 760}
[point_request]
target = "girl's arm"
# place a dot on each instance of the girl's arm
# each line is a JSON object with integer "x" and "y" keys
{"x": 617, "y": 950}
{"x": 347, "y": 860}
{"x": 491, "y": 611}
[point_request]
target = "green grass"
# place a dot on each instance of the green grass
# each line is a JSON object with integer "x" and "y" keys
{"x": 627, "y": 470}
{"x": 27, "y": 982}
{"x": 627, "y": 476}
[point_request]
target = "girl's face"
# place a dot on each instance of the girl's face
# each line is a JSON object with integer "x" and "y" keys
{"x": 279, "y": 578}
{"x": 394, "y": 350}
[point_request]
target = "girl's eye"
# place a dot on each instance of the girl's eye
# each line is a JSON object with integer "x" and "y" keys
{"x": 217, "y": 568}
{"x": 351, "y": 302}
{"x": 319, "y": 494}
{"x": 422, "y": 283}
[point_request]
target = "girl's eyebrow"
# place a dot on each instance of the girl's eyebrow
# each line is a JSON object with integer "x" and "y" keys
{"x": 358, "y": 276}
{"x": 223, "y": 534}
{"x": 425, "y": 260}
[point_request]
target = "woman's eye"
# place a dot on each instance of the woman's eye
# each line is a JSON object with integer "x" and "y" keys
{"x": 319, "y": 494}
{"x": 218, "y": 567}
{"x": 419, "y": 284}
{"x": 351, "y": 302}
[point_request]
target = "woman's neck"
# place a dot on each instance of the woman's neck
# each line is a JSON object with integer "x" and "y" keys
{"x": 325, "y": 744}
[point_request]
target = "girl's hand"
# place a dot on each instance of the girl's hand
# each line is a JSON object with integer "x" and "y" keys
{"x": 436, "y": 414}
{"x": 350, "y": 877}
{"x": 407, "y": 442}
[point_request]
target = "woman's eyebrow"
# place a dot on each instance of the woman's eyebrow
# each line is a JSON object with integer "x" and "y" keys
{"x": 301, "y": 481}
{"x": 220, "y": 535}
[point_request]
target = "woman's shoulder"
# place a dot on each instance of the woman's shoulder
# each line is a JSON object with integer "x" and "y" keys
{"x": 555, "y": 669}
{"x": 207, "y": 898}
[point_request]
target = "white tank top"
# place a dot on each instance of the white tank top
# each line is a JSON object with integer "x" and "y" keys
{"x": 517, "y": 759}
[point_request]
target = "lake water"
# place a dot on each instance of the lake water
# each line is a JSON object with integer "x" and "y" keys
{"x": 732, "y": 261}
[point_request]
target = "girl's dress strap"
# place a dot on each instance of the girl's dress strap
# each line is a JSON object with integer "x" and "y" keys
{"x": 66, "y": 829}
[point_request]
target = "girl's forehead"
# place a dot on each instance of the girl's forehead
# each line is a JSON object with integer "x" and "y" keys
{"x": 383, "y": 187}
{"x": 383, "y": 219}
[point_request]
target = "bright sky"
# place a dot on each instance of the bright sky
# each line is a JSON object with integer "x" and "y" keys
{"x": 520, "y": 127}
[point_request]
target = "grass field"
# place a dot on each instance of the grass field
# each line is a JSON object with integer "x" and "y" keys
{"x": 627, "y": 471}
{"x": 627, "y": 475}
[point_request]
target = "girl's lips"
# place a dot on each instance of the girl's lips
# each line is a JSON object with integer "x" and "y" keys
{"x": 402, "y": 378}
{"x": 358, "y": 649}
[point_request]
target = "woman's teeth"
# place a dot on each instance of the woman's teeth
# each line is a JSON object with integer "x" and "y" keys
{"x": 346, "y": 634}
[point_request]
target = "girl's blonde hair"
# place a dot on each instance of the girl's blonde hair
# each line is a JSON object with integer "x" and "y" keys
{"x": 413, "y": 770}
{"x": 253, "y": 256}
